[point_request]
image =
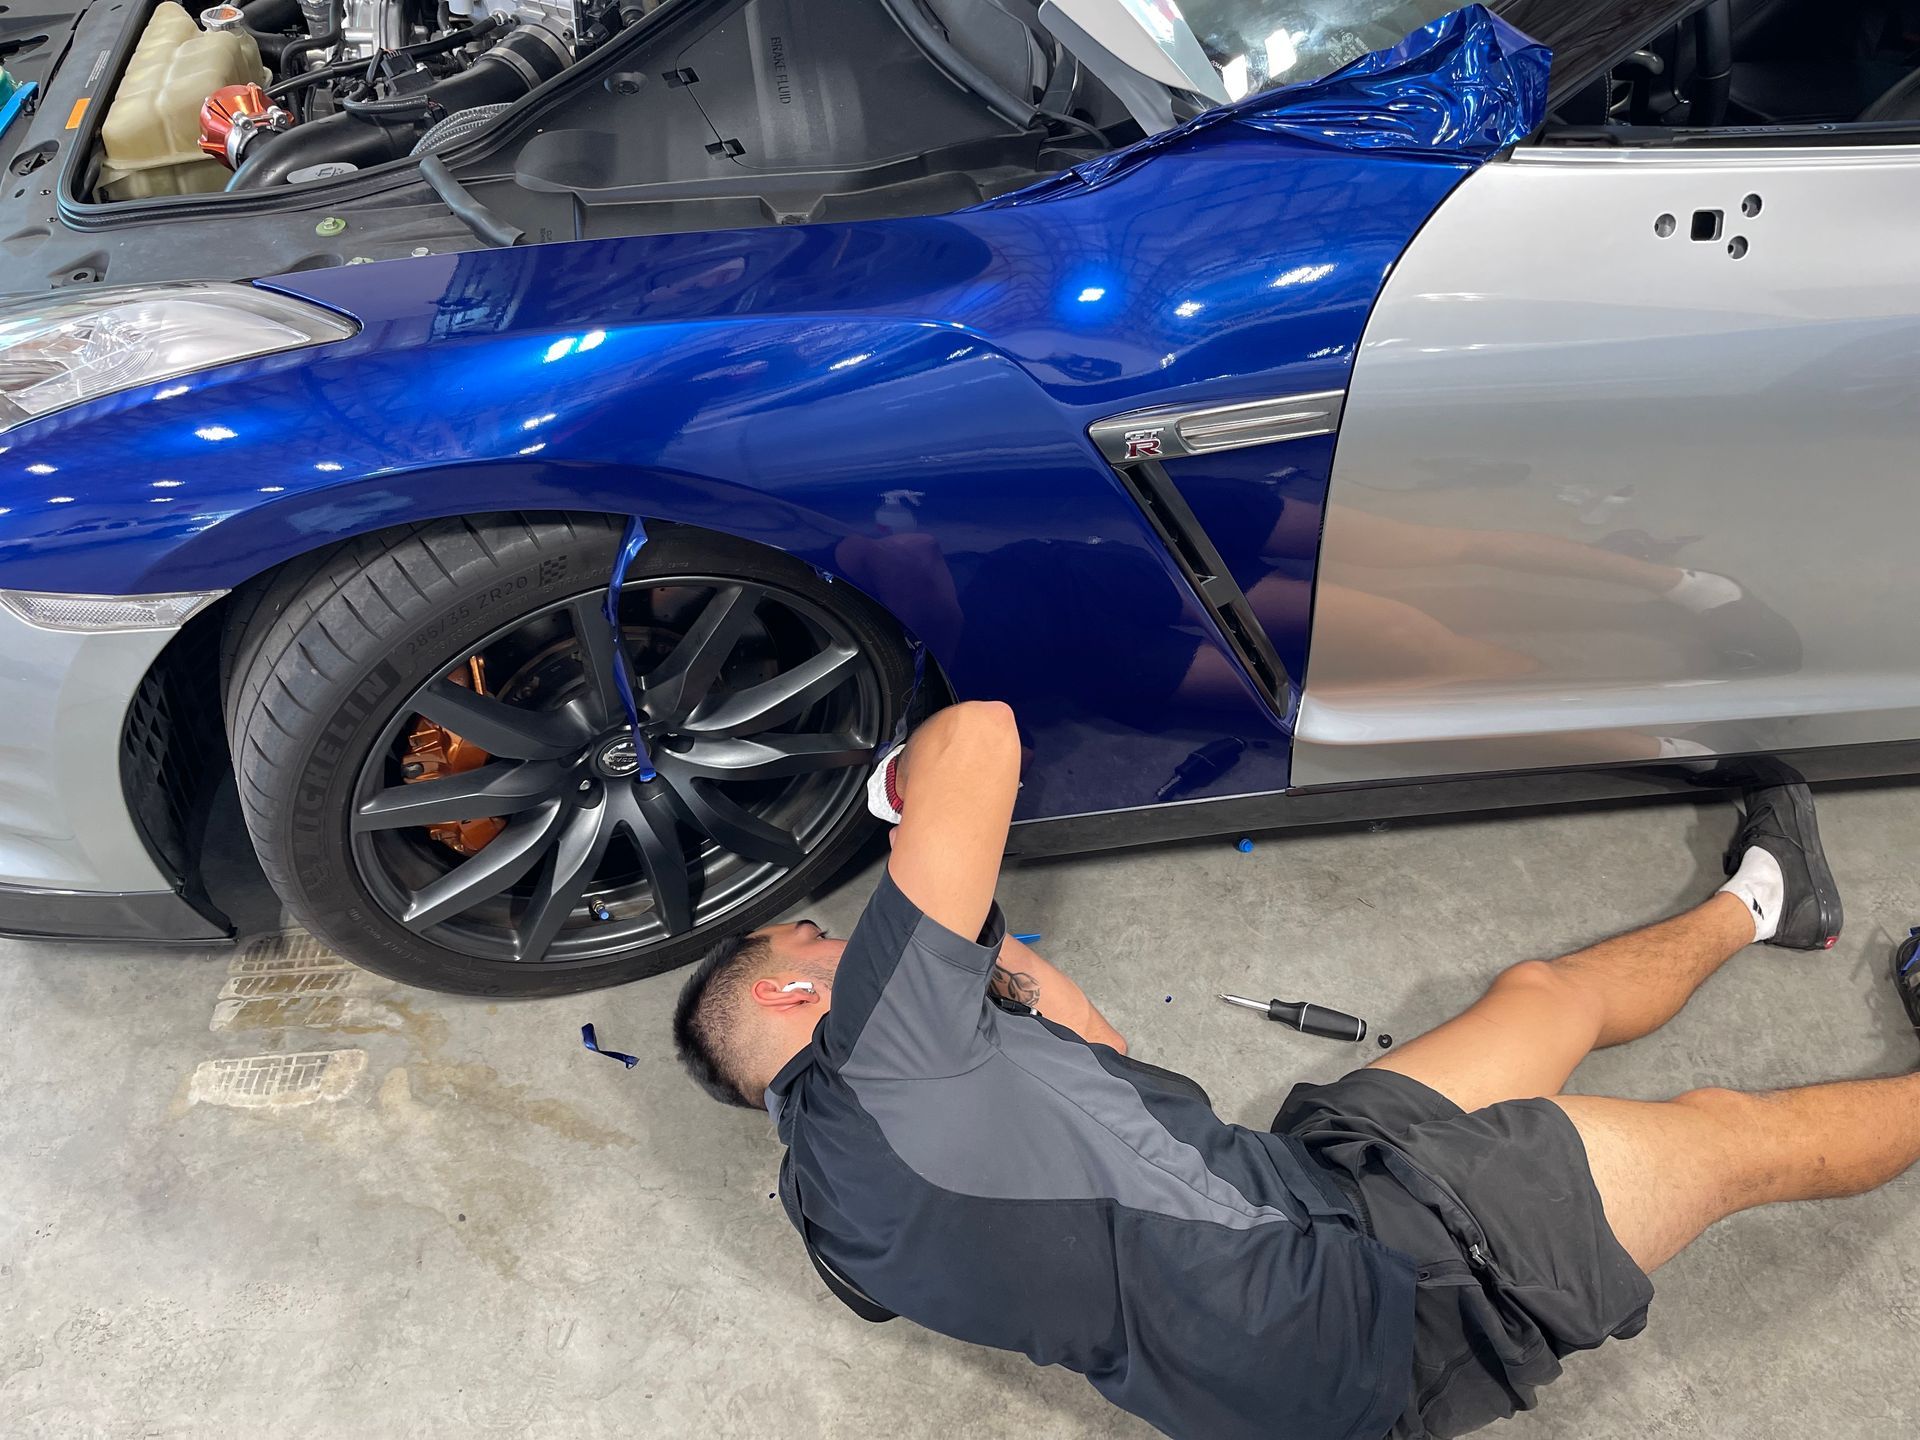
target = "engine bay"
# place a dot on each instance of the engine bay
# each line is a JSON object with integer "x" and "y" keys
{"x": 272, "y": 92}
{"x": 653, "y": 114}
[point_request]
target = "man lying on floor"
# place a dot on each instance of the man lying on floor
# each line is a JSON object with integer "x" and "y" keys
{"x": 1410, "y": 1251}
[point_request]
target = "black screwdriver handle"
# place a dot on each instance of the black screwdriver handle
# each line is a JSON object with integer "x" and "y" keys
{"x": 1317, "y": 1020}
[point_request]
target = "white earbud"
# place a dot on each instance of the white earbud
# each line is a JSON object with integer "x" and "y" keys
{"x": 806, "y": 985}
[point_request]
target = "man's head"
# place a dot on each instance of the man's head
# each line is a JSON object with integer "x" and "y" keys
{"x": 751, "y": 1005}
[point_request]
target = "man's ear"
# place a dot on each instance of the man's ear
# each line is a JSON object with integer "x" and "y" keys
{"x": 783, "y": 992}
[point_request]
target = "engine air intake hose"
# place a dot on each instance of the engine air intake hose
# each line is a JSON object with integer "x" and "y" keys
{"x": 268, "y": 20}
{"x": 372, "y": 133}
{"x": 270, "y": 14}
{"x": 293, "y": 57}
{"x": 456, "y": 127}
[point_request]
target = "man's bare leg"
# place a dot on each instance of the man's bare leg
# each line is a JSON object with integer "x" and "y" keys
{"x": 1665, "y": 1172}
{"x": 1539, "y": 1019}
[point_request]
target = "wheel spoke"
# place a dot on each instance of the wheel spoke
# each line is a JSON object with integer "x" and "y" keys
{"x": 577, "y": 853}
{"x": 773, "y": 702}
{"x": 678, "y": 684}
{"x": 598, "y": 656}
{"x": 502, "y": 788}
{"x": 732, "y": 826}
{"x": 765, "y": 757}
{"x": 651, "y": 822}
{"x": 499, "y": 728}
{"x": 505, "y": 860}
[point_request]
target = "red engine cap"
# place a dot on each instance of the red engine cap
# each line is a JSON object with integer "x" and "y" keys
{"x": 232, "y": 115}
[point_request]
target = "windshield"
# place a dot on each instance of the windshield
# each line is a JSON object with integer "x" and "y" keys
{"x": 1258, "y": 43}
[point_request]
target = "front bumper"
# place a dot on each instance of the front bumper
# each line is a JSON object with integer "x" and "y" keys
{"x": 73, "y": 860}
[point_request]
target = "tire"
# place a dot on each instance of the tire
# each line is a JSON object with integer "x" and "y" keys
{"x": 760, "y": 723}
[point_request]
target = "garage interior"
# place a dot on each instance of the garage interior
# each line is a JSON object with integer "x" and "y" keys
{"x": 472, "y": 1225}
{"x": 642, "y": 416}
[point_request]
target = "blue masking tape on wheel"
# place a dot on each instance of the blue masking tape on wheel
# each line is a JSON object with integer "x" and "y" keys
{"x": 906, "y": 711}
{"x": 630, "y": 547}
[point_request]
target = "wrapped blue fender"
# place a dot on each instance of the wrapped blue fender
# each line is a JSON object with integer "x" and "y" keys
{"x": 1468, "y": 84}
{"x": 1465, "y": 87}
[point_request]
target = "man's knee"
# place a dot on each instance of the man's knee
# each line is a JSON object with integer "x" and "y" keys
{"x": 1543, "y": 984}
{"x": 1739, "y": 1115}
{"x": 1539, "y": 979}
{"x": 1731, "y": 1108}
{"x": 1735, "y": 1139}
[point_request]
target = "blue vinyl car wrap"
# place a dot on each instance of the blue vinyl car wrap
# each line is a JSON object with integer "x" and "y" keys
{"x": 896, "y": 403}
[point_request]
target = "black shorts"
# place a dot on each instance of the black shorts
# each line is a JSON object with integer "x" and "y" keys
{"x": 1516, "y": 1264}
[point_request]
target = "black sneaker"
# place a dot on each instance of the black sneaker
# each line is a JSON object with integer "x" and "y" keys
{"x": 1779, "y": 820}
{"x": 1906, "y": 976}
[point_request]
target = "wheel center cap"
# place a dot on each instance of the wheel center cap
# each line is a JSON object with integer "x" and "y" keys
{"x": 617, "y": 759}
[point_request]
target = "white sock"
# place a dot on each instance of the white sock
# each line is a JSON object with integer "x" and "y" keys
{"x": 1702, "y": 590}
{"x": 1759, "y": 883}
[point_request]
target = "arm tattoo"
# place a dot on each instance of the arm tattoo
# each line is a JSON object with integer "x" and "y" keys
{"x": 1014, "y": 985}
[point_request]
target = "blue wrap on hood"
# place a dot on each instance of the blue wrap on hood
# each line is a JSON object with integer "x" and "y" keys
{"x": 1465, "y": 87}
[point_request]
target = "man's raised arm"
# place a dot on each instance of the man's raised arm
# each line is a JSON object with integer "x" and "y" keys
{"x": 956, "y": 782}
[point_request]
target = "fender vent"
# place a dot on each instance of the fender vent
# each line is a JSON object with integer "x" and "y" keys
{"x": 1180, "y": 531}
{"x": 171, "y": 747}
{"x": 1137, "y": 442}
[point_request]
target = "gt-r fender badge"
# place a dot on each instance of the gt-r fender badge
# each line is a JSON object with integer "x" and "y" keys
{"x": 1144, "y": 444}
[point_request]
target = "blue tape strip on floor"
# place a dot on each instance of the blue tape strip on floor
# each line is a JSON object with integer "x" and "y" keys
{"x": 587, "y": 1039}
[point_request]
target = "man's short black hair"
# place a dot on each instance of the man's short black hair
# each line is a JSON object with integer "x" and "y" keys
{"x": 709, "y": 1022}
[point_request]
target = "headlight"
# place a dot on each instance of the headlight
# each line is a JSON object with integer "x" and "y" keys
{"x": 55, "y": 353}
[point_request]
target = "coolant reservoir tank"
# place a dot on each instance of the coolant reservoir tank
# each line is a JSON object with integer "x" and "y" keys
{"x": 152, "y": 131}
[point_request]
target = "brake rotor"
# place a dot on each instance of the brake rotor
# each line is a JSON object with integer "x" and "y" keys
{"x": 433, "y": 751}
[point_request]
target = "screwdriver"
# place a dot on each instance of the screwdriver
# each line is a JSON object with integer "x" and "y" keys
{"x": 1307, "y": 1019}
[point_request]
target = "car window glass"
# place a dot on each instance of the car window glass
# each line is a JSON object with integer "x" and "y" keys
{"x": 1746, "y": 66}
{"x": 1256, "y": 44}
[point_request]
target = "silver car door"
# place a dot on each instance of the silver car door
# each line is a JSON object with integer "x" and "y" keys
{"x": 1630, "y": 470}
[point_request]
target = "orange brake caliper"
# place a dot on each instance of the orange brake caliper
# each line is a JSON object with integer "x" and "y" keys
{"x": 434, "y": 751}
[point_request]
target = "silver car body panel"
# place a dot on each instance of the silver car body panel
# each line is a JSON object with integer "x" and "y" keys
{"x": 1557, "y": 406}
{"x": 64, "y": 823}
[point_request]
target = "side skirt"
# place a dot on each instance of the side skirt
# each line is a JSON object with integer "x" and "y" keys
{"x": 1455, "y": 795}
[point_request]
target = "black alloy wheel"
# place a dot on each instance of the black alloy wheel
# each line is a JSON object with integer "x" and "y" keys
{"x": 546, "y": 860}
{"x": 593, "y": 859}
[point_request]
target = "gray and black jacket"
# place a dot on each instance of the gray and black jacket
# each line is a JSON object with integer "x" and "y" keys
{"x": 990, "y": 1175}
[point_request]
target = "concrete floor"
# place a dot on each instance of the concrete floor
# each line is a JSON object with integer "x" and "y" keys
{"x": 457, "y": 1221}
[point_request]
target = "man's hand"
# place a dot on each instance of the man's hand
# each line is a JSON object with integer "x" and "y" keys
{"x": 956, "y": 779}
